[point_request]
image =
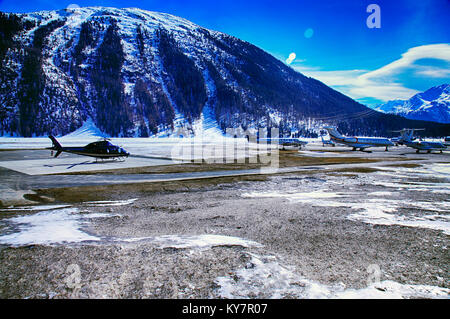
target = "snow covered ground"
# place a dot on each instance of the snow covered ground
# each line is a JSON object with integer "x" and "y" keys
{"x": 263, "y": 275}
{"x": 65, "y": 224}
{"x": 386, "y": 207}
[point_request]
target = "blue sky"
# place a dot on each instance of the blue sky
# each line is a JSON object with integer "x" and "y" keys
{"x": 330, "y": 38}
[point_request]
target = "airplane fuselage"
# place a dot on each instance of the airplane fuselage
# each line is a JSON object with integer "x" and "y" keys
{"x": 284, "y": 141}
{"x": 363, "y": 142}
{"x": 358, "y": 142}
{"x": 426, "y": 146}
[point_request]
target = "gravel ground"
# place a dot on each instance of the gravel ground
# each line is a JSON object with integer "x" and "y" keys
{"x": 261, "y": 243}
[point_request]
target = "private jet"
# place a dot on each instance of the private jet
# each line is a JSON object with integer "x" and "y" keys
{"x": 327, "y": 142}
{"x": 284, "y": 141}
{"x": 281, "y": 141}
{"x": 360, "y": 143}
{"x": 407, "y": 138}
{"x": 447, "y": 141}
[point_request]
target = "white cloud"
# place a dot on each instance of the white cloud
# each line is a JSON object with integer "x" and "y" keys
{"x": 433, "y": 72}
{"x": 390, "y": 91}
{"x": 333, "y": 78}
{"x": 432, "y": 51}
{"x": 383, "y": 83}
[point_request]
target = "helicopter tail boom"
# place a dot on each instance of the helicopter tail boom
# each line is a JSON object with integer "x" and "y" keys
{"x": 56, "y": 144}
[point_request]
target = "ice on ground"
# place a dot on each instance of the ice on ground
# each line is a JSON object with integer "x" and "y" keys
{"x": 373, "y": 211}
{"x": 59, "y": 224}
{"x": 296, "y": 196}
{"x": 382, "y": 212}
{"x": 110, "y": 203}
{"x": 389, "y": 289}
{"x": 194, "y": 241}
{"x": 379, "y": 207}
{"x": 264, "y": 277}
{"x": 441, "y": 168}
{"x": 48, "y": 227}
{"x": 33, "y": 208}
{"x": 435, "y": 169}
{"x": 53, "y": 224}
{"x": 315, "y": 198}
{"x": 380, "y": 194}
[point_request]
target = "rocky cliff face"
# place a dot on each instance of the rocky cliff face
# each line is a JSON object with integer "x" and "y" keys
{"x": 139, "y": 73}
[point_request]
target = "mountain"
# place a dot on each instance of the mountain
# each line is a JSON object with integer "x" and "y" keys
{"x": 131, "y": 72}
{"x": 431, "y": 105}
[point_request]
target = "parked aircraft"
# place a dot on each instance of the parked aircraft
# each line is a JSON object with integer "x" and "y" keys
{"x": 447, "y": 141}
{"x": 328, "y": 142}
{"x": 284, "y": 141}
{"x": 100, "y": 149}
{"x": 358, "y": 142}
{"x": 408, "y": 139}
{"x": 281, "y": 141}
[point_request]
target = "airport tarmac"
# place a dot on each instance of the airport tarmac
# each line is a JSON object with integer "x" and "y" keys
{"x": 371, "y": 225}
{"x": 33, "y": 162}
{"x": 29, "y": 169}
{"x": 23, "y": 171}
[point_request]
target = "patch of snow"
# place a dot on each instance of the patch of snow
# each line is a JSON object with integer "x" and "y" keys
{"x": 264, "y": 277}
{"x": 50, "y": 227}
{"x": 110, "y": 203}
{"x": 34, "y": 208}
{"x": 194, "y": 241}
{"x": 87, "y": 130}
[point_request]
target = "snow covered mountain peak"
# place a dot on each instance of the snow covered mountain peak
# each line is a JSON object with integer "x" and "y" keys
{"x": 431, "y": 105}
{"x": 128, "y": 14}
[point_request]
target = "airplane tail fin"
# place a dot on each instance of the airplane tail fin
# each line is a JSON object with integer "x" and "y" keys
{"x": 407, "y": 135}
{"x": 333, "y": 132}
{"x": 56, "y": 145}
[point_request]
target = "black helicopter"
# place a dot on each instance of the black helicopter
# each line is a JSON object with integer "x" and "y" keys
{"x": 100, "y": 149}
